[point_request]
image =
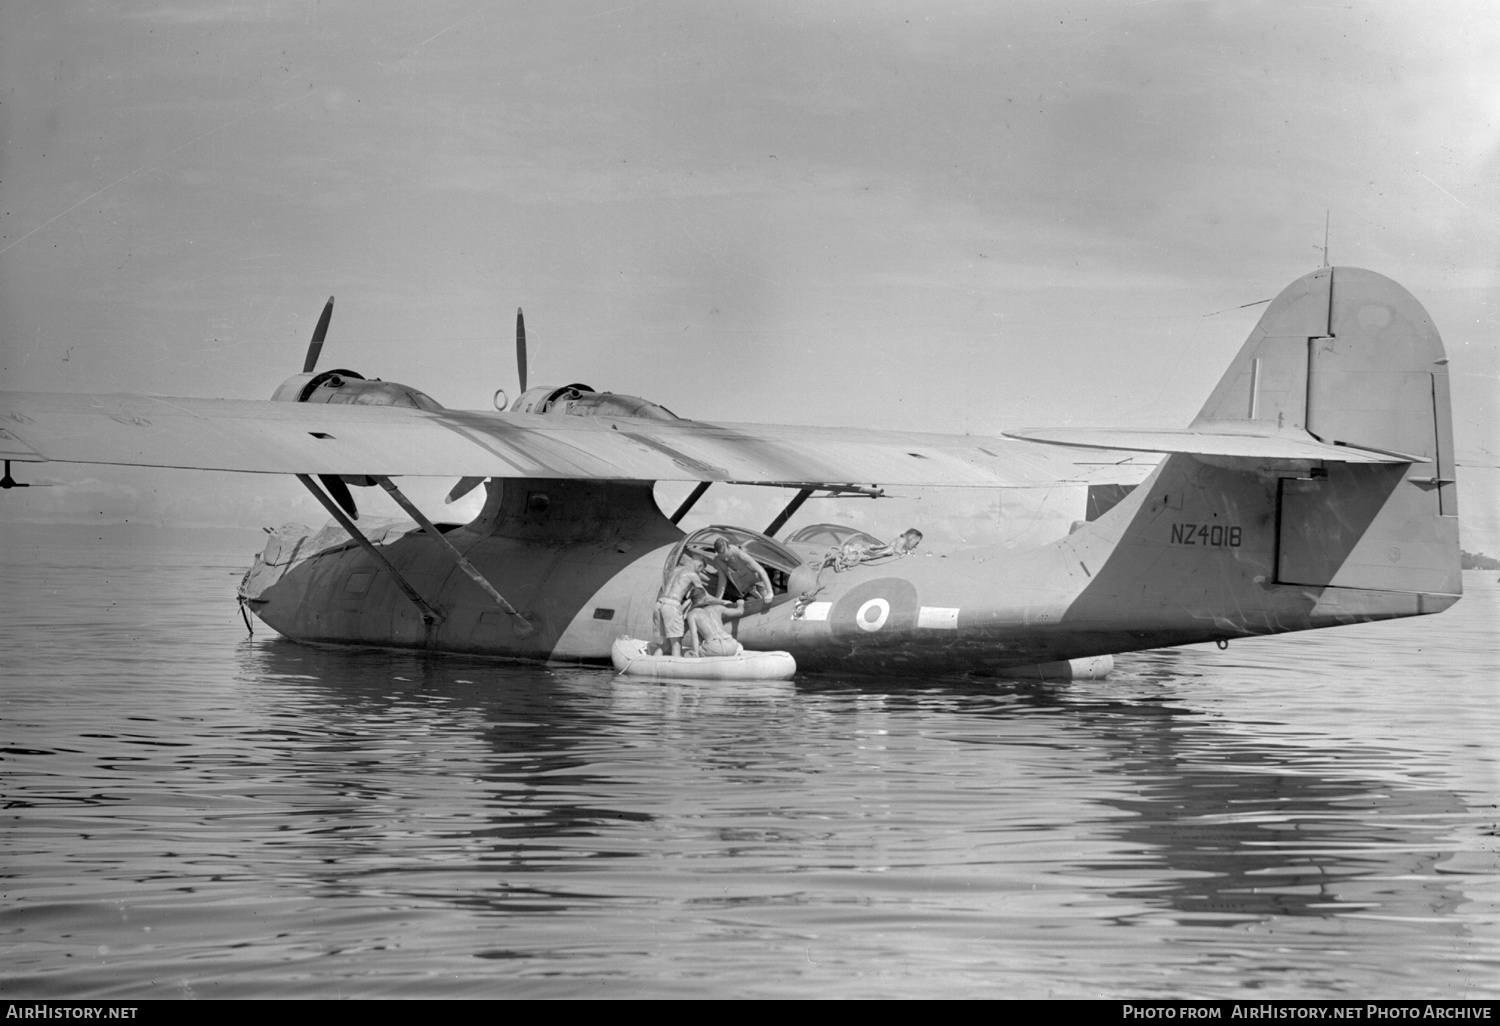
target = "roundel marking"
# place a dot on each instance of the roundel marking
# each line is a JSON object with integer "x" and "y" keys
{"x": 873, "y": 614}
{"x": 875, "y": 608}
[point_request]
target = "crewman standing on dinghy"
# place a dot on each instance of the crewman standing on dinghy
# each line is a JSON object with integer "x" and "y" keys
{"x": 673, "y": 599}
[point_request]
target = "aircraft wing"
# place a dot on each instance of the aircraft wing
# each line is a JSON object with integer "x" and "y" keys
{"x": 260, "y": 436}
{"x": 1288, "y": 444}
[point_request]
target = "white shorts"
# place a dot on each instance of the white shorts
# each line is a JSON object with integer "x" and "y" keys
{"x": 724, "y": 646}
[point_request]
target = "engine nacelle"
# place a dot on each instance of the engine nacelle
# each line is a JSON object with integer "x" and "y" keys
{"x": 349, "y": 387}
{"x": 579, "y": 400}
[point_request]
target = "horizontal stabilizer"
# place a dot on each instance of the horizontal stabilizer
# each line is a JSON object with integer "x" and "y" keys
{"x": 1280, "y": 445}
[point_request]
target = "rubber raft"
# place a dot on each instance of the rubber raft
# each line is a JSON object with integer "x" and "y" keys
{"x": 632, "y": 657}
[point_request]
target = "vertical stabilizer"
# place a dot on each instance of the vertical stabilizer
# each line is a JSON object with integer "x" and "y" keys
{"x": 1216, "y": 543}
{"x": 1352, "y": 358}
{"x": 1267, "y": 383}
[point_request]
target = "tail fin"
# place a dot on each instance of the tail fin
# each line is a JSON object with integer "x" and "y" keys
{"x": 1349, "y": 356}
{"x": 1344, "y": 365}
{"x": 1315, "y": 487}
{"x": 1353, "y": 359}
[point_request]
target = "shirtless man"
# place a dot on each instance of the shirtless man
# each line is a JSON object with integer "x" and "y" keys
{"x": 853, "y": 553}
{"x": 738, "y": 566}
{"x": 670, "y": 603}
{"x": 705, "y": 624}
{"x": 906, "y": 542}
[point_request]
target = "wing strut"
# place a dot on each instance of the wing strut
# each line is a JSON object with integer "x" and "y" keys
{"x": 430, "y": 616}
{"x": 786, "y": 514}
{"x": 9, "y": 482}
{"x": 523, "y": 627}
{"x": 690, "y": 501}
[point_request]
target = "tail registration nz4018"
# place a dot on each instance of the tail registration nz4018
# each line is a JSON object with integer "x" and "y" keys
{"x": 1215, "y": 535}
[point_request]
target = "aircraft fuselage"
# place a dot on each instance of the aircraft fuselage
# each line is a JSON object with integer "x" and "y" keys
{"x": 1197, "y": 553}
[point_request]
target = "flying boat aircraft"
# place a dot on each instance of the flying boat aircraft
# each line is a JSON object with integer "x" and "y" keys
{"x": 1315, "y": 488}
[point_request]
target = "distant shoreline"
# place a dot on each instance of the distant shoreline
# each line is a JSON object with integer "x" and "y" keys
{"x": 20, "y": 534}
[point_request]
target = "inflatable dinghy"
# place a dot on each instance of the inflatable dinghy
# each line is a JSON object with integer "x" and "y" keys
{"x": 632, "y": 657}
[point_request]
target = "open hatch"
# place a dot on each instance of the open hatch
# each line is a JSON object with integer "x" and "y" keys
{"x": 780, "y": 563}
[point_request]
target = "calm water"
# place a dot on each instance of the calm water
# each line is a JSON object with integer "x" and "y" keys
{"x": 188, "y": 811}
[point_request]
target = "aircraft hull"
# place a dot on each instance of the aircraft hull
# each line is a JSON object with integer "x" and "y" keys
{"x": 1200, "y": 552}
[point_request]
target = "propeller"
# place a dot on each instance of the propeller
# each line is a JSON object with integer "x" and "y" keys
{"x": 464, "y": 487}
{"x": 315, "y": 347}
{"x": 520, "y": 348}
{"x": 332, "y": 482}
{"x": 468, "y": 484}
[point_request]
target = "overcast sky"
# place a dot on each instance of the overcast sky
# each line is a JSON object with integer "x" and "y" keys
{"x": 938, "y": 216}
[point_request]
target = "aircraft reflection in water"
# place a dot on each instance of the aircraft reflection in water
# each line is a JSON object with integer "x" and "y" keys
{"x": 1315, "y": 488}
{"x": 1222, "y": 825}
{"x": 1248, "y": 829}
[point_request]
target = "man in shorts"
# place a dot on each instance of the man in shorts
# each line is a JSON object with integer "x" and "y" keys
{"x": 669, "y": 604}
{"x": 707, "y": 635}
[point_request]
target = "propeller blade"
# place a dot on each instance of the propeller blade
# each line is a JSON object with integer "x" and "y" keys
{"x": 464, "y": 487}
{"x": 521, "y": 348}
{"x": 340, "y": 493}
{"x": 316, "y": 346}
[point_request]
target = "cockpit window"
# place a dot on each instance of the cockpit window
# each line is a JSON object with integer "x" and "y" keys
{"x": 831, "y": 534}
{"x": 606, "y": 404}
